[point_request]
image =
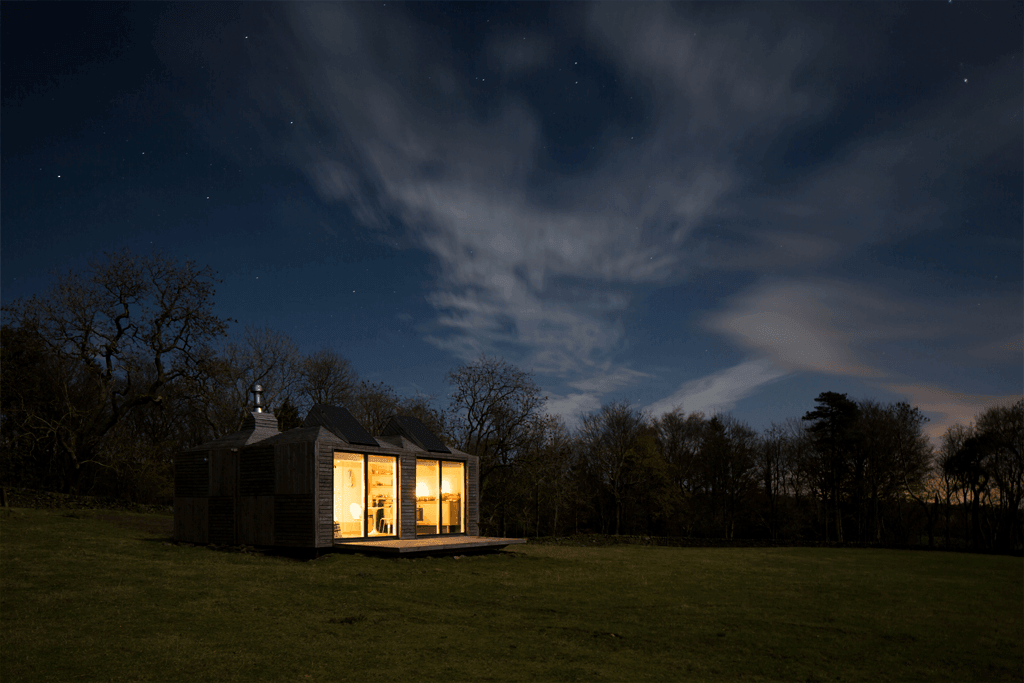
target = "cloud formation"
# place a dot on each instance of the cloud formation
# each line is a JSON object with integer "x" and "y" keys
{"x": 541, "y": 258}
{"x": 719, "y": 391}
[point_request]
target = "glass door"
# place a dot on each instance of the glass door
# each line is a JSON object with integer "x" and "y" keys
{"x": 427, "y": 497}
{"x": 382, "y": 497}
{"x": 452, "y": 499}
{"x": 348, "y": 495}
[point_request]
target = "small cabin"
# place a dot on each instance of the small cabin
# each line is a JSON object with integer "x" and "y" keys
{"x": 329, "y": 484}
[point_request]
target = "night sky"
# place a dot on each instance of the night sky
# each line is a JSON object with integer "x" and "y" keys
{"x": 728, "y": 207}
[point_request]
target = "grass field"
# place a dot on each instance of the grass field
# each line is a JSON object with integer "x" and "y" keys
{"x": 102, "y": 596}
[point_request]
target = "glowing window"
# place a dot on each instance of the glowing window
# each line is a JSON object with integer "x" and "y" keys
{"x": 348, "y": 495}
{"x": 365, "y": 495}
{"x": 440, "y": 497}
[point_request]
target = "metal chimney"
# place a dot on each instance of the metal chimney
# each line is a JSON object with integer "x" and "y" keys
{"x": 257, "y": 392}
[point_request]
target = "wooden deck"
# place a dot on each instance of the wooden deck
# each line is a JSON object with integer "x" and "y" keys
{"x": 445, "y": 544}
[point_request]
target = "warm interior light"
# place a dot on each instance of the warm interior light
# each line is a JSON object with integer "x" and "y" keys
{"x": 422, "y": 490}
{"x": 446, "y": 486}
{"x": 356, "y": 509}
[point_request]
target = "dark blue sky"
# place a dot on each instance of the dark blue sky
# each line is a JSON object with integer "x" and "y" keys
{"x": 724, "y": 206}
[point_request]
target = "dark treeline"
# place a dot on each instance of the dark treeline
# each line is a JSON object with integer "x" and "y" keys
{"x": 116, "y": 369}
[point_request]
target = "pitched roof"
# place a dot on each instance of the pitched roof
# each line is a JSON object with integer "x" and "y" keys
{"x": 417, "y": 432}
{"x": 340, "y": 422}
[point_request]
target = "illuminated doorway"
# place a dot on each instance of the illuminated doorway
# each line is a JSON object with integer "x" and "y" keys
{"x": 348, "y": 495}
{"x": 440, "y": 497}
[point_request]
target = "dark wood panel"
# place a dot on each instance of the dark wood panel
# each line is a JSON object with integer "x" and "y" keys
{"x": 408, "y": 495}
{"x": 191, "y": 475}
{"x": 293, "y": 469}
{"x": 191, "y": 520}
{"x": 473, "y": 496}
{"x": 324, "y": 497}
{"x": 256, "y": 520}
{"x": 256, "y": 471}
{"x": 223, "y": 472}
{"x": 222, "y": 520}
{"x": 294, "y": 521}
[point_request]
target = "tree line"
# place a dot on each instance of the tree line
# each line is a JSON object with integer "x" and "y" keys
{"x": 115, "y": 369}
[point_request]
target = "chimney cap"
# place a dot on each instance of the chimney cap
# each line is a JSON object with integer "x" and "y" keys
{"x": 257, "y": 392}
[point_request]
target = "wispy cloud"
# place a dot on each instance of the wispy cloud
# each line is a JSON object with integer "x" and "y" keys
{"x": 719, "y": 391}
{"x": 517, "y": 270}
{"x": 542, "y": 264}
{"x": 949, "y": 406}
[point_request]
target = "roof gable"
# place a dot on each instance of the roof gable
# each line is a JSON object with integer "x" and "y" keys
{"x": 417, "y": 432}
{"x": 340, "y": 422}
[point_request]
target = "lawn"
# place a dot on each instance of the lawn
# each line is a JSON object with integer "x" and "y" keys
{"x": 103, "y": 596}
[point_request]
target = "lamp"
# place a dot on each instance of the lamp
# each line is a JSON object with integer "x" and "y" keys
{"x": 357, "y": 511}
{"x": 422, "y": 490}
{"x": 446, "y": 486}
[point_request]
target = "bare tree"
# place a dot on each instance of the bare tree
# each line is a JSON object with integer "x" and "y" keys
{"x": 261, "y": 356}
{"x": 611, "y": 438}
{"x": 493, "y": 410}
{"x": 373, "y": 405}
{"x": 492, "y": 406}
{"x": 1002, "y": 427}
{"x": 953, "y": 488}
{"x": 123, "y": 331}
{"x": 679, "y": 439}
{"x": 325, "y": 377}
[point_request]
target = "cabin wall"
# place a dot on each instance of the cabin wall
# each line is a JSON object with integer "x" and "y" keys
{"x": 191, "y": 521}
{"x": 256, "y": 520}
{"x": 283, "y": 494}
{"x": 294, "y": 500}
{"x": 324, "y": 494}
{"x": 407, "y": 495}
{"x": 473, "y": 496}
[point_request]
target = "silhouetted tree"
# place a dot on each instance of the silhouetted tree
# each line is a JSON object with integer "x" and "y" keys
{"x": 833, "y": 431}
{"x": 287, "y": 415}
{"x": 494, "y": 409}
{"x": 120, "y": 333}
{"x": 325, "y": 377}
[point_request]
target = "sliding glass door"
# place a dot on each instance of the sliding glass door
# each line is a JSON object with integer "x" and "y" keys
{"x": 440, "y": 497}
{"x": 365, "y": 495}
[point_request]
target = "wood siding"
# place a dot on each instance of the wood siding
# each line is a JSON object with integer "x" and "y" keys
{"x": 191, "y": 475}
{"x": 407, "y": 495}
{"x": 191, "y": 520}
{"x": 256, "y": 471}
{"x": 222, "y": 520}
{"x": 294, "y": 520}
{"x": 256, "y": 520}
{"x": 223, "y": 472}
{"x": 324, "y": 495}
{"x": 294, "y": 469}
{"x": 473, "y": 496}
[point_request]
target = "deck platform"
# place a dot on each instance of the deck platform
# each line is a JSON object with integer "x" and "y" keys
{"x": 410, "y": 546}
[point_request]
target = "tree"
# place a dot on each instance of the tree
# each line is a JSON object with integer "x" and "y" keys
{"x": 373, "y": 405}
{"x": 833, "y": 432}
{"x": 1005, "y": 427}
{"x": 493, "y": 409}
{"x": 612, "y": 440}
{"x": 679, "y": 440}
{"x": 773, "y": 471}
{"x": 953, "y": 488}
{"x": 287, "y": 415}
{"x": 990, "y": 465}
{"x": 118, "y": 335}
{"x": 326, "y": 377}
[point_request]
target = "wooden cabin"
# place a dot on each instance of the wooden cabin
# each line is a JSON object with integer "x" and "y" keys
{"x": 327, "y": 484}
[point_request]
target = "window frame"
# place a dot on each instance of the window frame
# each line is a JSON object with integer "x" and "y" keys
{"x": 396, "y": 506}
{"x": 463, "y": 498}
